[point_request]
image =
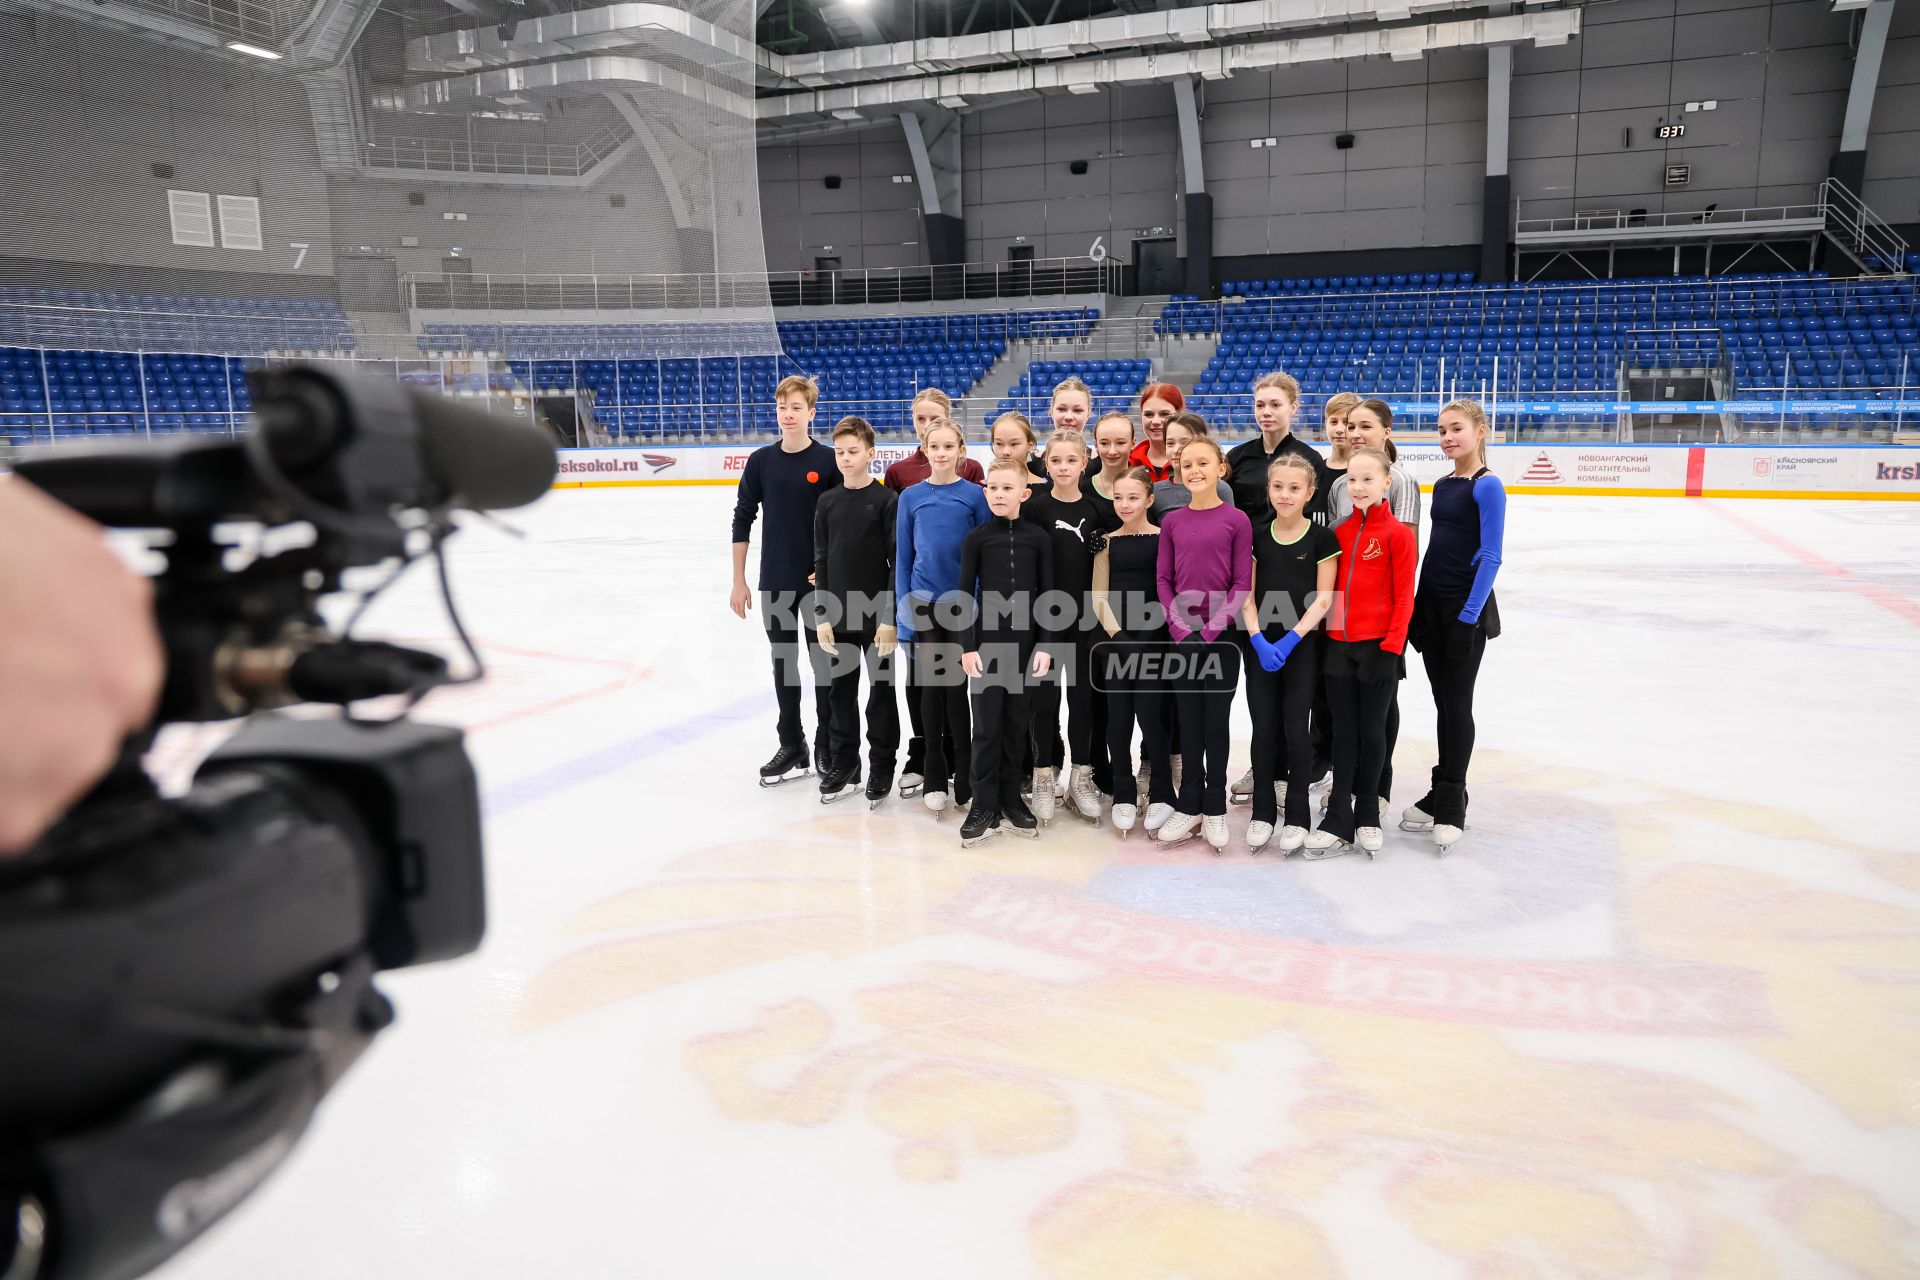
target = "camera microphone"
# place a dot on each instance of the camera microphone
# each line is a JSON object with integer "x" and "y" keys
{"x": 417, "y": 449}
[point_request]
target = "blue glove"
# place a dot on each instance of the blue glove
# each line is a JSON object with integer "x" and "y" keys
{"x": 1273, "y": 656}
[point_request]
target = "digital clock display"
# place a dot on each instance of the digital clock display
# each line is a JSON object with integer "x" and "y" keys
{"x": 1669, "y": 131}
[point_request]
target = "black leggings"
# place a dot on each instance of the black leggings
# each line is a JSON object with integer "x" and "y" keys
{"x": 1047, "y": 697}
{"x": 1322, "y": 729}
{"x": 916, "y": 761}
{"x": 783, "y": 636}
{"x": 1452, "y": 656}
{"x": 1392, "y": 736}
{"x": 1206, "y": 714}
{"x": 943, "y": 710}
{"x": 1131, "y": 698}
{"x": 1280, "y": 702}
{"x": 883, "y": 707}
{"x": 1002, "y": 704}
{"x": 1359, "y": 743}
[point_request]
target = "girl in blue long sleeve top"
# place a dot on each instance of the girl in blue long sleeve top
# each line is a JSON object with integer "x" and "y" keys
{"x": 1454, "y": 613}
{"x": 935, "y": 518}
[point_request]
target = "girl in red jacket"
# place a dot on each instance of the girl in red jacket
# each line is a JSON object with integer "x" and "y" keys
{"x": 1368, "y": 631}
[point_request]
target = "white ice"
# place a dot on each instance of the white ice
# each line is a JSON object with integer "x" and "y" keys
{"x": 1657, "y": 1015}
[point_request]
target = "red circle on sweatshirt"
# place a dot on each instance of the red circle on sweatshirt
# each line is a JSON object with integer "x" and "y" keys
{"x": 813, "y": 477}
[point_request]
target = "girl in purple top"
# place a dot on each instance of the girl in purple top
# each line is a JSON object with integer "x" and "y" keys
{"x": 1205, "y": 575}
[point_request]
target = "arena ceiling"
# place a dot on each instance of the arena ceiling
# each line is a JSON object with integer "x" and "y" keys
{"x": 794, "y": 66}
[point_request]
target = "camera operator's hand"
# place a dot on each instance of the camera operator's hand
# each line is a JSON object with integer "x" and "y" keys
{"x": 80, "y": 659}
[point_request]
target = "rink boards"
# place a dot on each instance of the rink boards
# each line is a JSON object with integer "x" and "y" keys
{"x": 1849, "y": 472}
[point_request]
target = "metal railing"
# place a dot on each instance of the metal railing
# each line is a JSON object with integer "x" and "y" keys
{"x": 26, "y": 324}
{"x": 1639, "y": 221}
{"x": 1600, "y": 301}
{"x": 1536, "y": 413}
{"x": 1860, "y": 231}
{"x": 1560, "y": 417}
{"x": 461, "y": 155}
{"x": 1046, "y": 277}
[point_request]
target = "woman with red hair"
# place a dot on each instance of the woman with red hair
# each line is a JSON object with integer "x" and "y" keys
{"x": 1158, "y": 403}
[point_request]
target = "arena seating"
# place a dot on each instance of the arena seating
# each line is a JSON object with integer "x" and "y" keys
{"x": 1388, "y": 336}
{"x": 164, "y": 322}
{"x": 584, "y": 341}
{"x": 869, "y": 367}
{"x": 104, "y": 392}
{"x": 1804, "y": 335}
{"x": 1114, "y": 384}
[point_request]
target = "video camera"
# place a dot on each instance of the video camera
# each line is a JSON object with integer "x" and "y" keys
{"x": 182, "y": 979}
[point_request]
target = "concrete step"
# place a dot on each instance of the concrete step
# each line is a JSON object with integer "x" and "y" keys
{"x": 383, "y": 335}
{"x": 983, "y": 398}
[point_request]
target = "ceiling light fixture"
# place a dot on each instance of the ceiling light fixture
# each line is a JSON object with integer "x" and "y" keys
{"x": 254, "y": 51}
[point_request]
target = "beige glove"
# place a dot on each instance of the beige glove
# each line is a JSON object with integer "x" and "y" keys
{"x": 825, "y": 632}
{"x": 885, "y": 640}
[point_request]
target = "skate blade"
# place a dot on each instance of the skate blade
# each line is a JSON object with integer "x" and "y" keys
{"x": 1338, "y": 851}
{"x": 786, "y": 778}
{"x": 1092, "y": 820}
{"x": 966, "y": 843}
{"x": 909, "y": 792}
{"x": 1025, "y": 833}
{"x": 837, "y": 796}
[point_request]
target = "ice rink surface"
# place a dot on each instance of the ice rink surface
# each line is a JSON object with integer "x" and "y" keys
{"x": 1658, "y": 1015}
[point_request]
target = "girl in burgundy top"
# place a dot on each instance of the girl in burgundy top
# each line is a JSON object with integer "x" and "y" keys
{"x": 1205, "y": 573}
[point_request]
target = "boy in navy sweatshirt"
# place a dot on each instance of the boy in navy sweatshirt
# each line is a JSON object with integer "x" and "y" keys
{"x": 1006, "y": 565}
{"x": 853, "y": 598}
{"x": 786, "y": 479}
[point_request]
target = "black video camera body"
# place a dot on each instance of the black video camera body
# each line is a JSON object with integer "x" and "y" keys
{"x": 182, "y": 979}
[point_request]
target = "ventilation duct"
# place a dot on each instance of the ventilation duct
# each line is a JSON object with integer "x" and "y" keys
{"x": 657, "y": 27}
{"x": 336, "y": 119}
{"x": 673, "y": 32}
{"x": 1204, "y": 25}
{"x": 580, "y": 75}
{"x": 1081, "y": 75}
{"x": 328, "y": 35}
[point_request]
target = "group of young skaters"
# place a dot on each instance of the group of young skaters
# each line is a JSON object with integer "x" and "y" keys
{"x": 1116, "y": 584}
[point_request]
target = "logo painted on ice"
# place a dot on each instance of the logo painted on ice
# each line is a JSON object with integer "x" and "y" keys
{"x": 1541, "y": 472}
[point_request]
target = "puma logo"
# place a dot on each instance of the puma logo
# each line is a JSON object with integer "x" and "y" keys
{"x": 1374, "y": 550}
{"x": 1077, "y": 530}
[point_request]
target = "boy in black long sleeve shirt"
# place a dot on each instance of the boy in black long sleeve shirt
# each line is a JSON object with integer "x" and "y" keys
{"x": 853, "y": 533}
{"x": 1007, "y": 564}
{"x": 786, "y": 479}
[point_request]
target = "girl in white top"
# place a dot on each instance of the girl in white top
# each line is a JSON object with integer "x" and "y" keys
{"x": 1370, "y": 426}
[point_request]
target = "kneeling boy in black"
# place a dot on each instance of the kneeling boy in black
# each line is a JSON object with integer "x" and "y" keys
{"x": 1007, "y": 566}
{"x": 853, "y": 594}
